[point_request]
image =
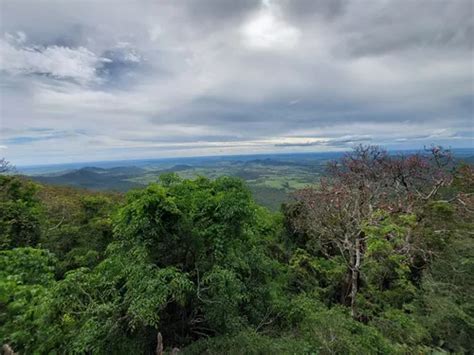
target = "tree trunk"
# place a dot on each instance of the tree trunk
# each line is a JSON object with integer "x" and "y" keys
{"x": 355, "y": 265}
{"x": 7, "y": 350}
{"x": 159, "y": 344}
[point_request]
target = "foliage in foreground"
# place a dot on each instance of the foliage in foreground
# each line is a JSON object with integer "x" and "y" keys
{"x": 377, "y": 260}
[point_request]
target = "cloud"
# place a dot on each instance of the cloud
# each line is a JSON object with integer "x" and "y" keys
{"x": 333, "y": 142}
{"x": 38, "y": 135}
{"x": 301, "y": 10}
{"x": 437, "y": 27}
{"x": 153, "y": 79}
{"x": 58, "y": 62}
{"x": 267, "y": 30}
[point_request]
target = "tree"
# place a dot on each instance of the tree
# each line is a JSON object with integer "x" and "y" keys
{"x": 20, "y": 213}
{"x": 26, "y": 276}
{"x": 5, "y": 166}
{"x": 361, "y": 183}
{"x": 77, "y": 226}
{"x": 446, "y": 303}
{"x": 187, "y": 260}
{"x": 206, "y": 230}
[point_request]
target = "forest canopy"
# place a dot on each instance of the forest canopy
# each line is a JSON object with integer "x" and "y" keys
{"x": 376, "y": 259}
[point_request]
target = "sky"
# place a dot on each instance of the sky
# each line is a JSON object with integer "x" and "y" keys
{"x": 113, "y": 80}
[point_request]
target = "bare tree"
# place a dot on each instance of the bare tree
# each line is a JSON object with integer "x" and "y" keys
{"x": 5, "y": 166}
{"x": 363, "y": 181}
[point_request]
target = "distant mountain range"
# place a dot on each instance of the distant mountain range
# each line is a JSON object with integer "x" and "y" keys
{"x": 270, "y": 177}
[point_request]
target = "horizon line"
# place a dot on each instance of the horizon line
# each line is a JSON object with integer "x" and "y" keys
{"x": 217, "y": 156}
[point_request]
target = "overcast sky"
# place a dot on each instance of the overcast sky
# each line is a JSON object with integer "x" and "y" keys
{"x": 105, "y": 80}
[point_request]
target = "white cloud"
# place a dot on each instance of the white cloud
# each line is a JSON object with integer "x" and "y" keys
{"x": 59, "y": 62}
{"x": 268, "y": 30}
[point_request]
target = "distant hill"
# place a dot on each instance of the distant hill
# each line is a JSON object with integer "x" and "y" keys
{"x": 176, "y": 168}
{"x": 114, "y": 179}
{"x": 271, "y": 178}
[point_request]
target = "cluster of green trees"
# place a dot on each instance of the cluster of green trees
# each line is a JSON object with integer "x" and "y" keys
{"x": 377, "y": 259}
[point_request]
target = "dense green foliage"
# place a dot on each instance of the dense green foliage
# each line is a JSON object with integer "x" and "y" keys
{"x": 350, "y": 267}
